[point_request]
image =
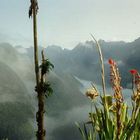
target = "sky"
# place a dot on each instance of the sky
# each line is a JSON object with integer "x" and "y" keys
{"x": 68, "y": 22}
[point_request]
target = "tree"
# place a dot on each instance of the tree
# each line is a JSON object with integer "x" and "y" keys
{"x": 42, "y": 88}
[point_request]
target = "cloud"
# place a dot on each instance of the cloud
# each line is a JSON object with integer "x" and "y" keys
{"x": 15, "y": 101}
{"x": 67, "y": 104}
{"x": 64, "y": 127}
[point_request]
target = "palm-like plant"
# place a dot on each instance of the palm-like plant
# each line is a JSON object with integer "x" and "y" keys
{"x": 42, "y": 88}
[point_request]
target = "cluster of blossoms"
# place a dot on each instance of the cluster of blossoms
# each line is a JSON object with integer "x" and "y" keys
{"x": 92, "y": 93}
{"x": 115, "y": 80}
{"x": 136, "y": 85}
{"x": 116, "y": 104}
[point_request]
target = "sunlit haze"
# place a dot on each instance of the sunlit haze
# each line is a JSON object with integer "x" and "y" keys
{"x": 68, "y": 22}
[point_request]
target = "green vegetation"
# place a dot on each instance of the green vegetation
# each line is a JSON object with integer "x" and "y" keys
{"x": 42, "y": 87}
{"x": 113, "y": 120}
{"x": 15, "y": 122}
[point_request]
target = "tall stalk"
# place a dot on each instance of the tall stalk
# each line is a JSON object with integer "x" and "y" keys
{"x": 102, "y": 72}
{"x": 40, "y": 113}
{"x": 102, "y": 64}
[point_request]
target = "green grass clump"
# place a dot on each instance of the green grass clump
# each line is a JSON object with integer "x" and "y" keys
{"x": 112, "y": 120}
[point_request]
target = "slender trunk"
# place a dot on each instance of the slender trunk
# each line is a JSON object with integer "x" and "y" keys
{"x": 40, "y": 112}
{"x": 35, "y": 46}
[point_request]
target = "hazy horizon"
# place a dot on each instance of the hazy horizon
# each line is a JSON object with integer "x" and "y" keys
{"x": 66, "y": 23}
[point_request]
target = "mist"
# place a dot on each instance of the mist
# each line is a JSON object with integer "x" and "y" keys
{"x": 74, "y": 71}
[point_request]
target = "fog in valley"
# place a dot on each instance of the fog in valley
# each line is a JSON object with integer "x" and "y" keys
{"x": 71, "y": 76}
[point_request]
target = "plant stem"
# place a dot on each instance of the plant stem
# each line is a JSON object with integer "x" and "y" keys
{"x": 102, "y": 65}
{"x": 35, "y": 45}
{"x": 102, "y": 73}
{"x": 118, "y": 106}
{"x": 40, "y": 113}
{"x": 133, "y": 102}
{"x": 133, "y": 84}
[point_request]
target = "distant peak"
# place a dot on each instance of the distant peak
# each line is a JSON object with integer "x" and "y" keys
{"x": 137, "y": 40}
{"x": 54, "y": 47}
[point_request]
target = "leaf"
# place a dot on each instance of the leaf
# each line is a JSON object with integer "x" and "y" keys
{"x": 128, "y": 130}
{"x": 46, "y": 66}
{"x": 86, "y": 132}
{"x": 47, "y": 89}
{"x": 108, "y": 100}
{"x": 34, "y": 4}
{"x": 81, "y": 131}
{"x": 30, "y": 11}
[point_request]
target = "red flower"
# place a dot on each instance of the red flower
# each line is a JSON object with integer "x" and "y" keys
{"x": 111, "y": 61}
{"x": 133, "y": 71}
